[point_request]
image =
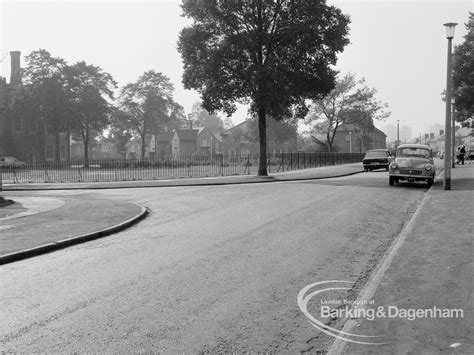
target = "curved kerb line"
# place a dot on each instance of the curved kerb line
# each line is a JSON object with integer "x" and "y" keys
{"x": 302, "y": 303}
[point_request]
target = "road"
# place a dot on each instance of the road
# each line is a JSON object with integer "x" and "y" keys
{"x": 212, "y": 269}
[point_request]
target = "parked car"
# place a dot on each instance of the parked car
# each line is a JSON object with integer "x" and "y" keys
{"x": 414, "y": 162}
{"x": 377, "y": 159}
{"x": 11, "y": 162}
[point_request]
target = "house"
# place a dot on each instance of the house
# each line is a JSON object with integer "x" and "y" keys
{"x": 97, "y": 150}
{"x": 242, "y": 139}
{"x": 350, "y": 138}
{"x": 463, "y": 135}
{"x": 163, "y": 144}
{"x": 208, "y": 143}
{"x": 184, "y": 142}
{"x": 27, "y": 139}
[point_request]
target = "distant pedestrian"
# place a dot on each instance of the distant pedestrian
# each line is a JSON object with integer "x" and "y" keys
{"x": 462, "y": 153}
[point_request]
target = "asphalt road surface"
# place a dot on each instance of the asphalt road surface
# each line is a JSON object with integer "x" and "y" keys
{"x": 212, "y": 269}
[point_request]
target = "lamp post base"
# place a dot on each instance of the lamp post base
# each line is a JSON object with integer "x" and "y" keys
{"x": 447, "y": 184}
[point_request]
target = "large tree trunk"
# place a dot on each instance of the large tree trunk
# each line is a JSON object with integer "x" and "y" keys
{"x": 328, "y": 138}
{"x": 262, "y": 133}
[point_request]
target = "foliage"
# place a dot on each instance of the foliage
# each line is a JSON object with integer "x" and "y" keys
{"x": 214, "y": 123}
{"x": 146, "y": 105}
{"x": 277, "y": 131}
{"x": 463, "y": 74}
{"x": 88, "y": 87}
{"x": 44, "y": 83}
{"x": 272, "y": 54}
{"x": 351, "y": 102}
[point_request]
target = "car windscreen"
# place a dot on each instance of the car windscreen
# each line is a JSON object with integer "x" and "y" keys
{"x": 413, "y": 153}
{"x": 376, "y": 155}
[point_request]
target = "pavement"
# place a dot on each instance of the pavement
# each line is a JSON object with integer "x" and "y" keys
{"x": 429, "y": 270}
{"x": 430, "y": 264}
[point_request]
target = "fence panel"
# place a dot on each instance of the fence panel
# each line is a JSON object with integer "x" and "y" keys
{"x": 167, "y": 168}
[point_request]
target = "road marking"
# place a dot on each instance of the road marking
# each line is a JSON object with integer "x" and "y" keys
{"x": 375, "y": 279}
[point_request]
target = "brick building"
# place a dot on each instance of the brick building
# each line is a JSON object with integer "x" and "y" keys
{"x": 26, "y": 138}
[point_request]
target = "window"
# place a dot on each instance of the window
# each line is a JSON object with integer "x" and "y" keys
{"x": 62, "y": 152}
{"x": 18, "y": 124}
{"x": 33, "y": 126}
{"x": 49, "y": 151}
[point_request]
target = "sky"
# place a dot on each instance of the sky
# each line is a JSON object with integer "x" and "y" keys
{"x": 399, "y": 47}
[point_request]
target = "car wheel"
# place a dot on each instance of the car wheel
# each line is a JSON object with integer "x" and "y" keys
{"x": 430, "y": 182}
{"x": 391, "y": 180}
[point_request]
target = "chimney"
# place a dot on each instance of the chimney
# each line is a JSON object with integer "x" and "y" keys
{"x": 15, "y": 74}
{"x": 441, "y": 132}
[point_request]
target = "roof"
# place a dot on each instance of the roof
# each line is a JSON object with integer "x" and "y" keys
{"x": 460, "y": 132}
{"x": 239, "y": 126}
{"x": 164, "y": 137}
{"x": 187, "y": 134}
{"x": 413, "y": 145}
{"x": 351, "y": 127}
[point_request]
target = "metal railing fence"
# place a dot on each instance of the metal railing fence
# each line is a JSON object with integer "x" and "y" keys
{"x": 166, "y": 168}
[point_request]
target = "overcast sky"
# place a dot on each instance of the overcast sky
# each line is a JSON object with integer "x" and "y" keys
{"x": 399, "y": 47}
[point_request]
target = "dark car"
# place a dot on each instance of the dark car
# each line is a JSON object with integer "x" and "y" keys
{"x": 377, "y": 159}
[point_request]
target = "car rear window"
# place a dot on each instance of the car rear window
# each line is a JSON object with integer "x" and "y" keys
{"x": 376, "y": 154}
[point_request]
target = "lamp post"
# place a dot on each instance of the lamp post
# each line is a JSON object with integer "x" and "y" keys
{"x": 447, "y": 134}
{"x": 453, "y": 146}
{"x": 350, "y": 141}
{"x": 398, "y": 134}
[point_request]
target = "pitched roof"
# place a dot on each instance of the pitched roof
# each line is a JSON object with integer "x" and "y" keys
{"x": 187, "y": 134}
{"x": 164, "y": 137}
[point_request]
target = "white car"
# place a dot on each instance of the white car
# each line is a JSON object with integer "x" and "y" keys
{"x": 11, "y": 162}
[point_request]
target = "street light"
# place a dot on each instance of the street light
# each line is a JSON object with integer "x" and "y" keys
{"x": 454, "y": 134}
{"x": 447, "y": 134}
{"x": 350, "y": 141}
{"x": 398, "y": 134}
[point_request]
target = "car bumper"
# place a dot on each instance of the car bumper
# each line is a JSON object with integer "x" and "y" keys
{"x": 376, "y": 165}
{"x": 410, "y": 178}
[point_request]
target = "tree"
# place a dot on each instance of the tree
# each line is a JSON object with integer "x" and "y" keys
{"x": 45, "y": 83}
{"x": 146, "y": 105}
{"x": 89, "y": 88}
{"x": 351, "y": 102}
{"x": 277, "y": 131}
{"x": 463, "y": 75}
{"x": 202, "y": 118}
{"x": 271, "y": 54}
